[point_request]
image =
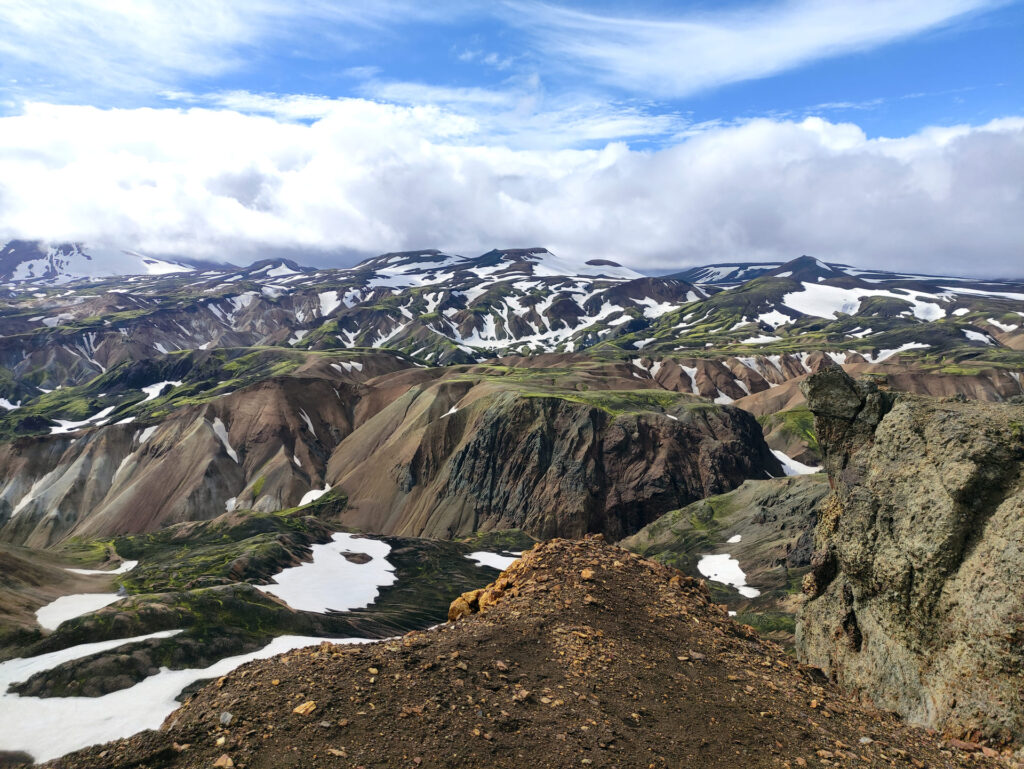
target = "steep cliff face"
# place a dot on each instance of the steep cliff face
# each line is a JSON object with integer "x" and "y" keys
{"x": 916, "y": 595}
{"x": 457, "y": 457}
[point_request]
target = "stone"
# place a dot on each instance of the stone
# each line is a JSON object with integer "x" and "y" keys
{"x": 305, "y": 708}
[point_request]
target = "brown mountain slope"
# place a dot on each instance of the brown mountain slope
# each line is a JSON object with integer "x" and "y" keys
{"x": 465, "y": 455}
{"x": 583, "y": 654}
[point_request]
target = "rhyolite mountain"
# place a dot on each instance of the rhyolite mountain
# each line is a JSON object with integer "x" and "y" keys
{"x": 440, "y": 308}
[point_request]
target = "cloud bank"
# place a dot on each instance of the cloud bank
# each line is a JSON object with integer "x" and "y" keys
{"x": 363, "y": 177}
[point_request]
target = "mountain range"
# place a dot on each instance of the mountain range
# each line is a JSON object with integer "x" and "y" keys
{"x": 189, "y": 435}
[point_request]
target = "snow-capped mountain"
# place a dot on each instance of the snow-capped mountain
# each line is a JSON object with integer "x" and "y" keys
{"x": 437, "y": 308}
{"x": 37, "y": 263}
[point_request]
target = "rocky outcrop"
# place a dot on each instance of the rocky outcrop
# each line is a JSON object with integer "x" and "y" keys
{"x": 916, "y": 595}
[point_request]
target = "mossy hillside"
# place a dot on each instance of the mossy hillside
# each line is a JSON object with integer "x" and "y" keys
{"x": 507, "y": 540}
{"x": 795, "y": 426}
{"x": 235, "y": 617}
{"x": 205, "y": 375}
{"x": 235, "y": 547}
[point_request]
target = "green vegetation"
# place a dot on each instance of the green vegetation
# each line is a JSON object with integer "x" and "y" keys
{"x": 797, "y": 423}
{"x": 231, "y": 548}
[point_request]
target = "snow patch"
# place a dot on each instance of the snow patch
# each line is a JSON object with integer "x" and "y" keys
{"x": 998, "y": 324}
{"x": 222, "y": 434}
{"x": 329, "y": 302}
{"x": 331, "y": 582}
{"x": 791, "y": 467}
{"x": 153, "y": 391}
{"x": 308, "y": 421}
{"x": 313, "y": 495}
{"x": 974, "y": 336}
{"x": 124, "y": 568}
{"x": 70, "y": 606}
{"x": 494, "y": 560}
{"x": 886, "y": 354}
{"x": 726, "y": 569}
{"x": 64, "y": 426}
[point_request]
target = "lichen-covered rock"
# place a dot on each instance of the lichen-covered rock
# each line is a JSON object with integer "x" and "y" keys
{"x": 916, "y": 589}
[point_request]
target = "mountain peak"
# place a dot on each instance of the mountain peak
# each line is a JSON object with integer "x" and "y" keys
{"x": 38, "y": 262}
{"x": 807, "y": 269}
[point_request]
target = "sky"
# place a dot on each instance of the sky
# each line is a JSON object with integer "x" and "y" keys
{"x": 884, "y": 133}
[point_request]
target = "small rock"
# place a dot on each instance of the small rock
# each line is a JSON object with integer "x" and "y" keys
{"x": 224, "y": 762}
{"x": 865, "y": 740}
{"x": 587, "y": 574}
{"x": 225, "y": 718}
{"x": 373, "y": 671}
{"x": 305, "y": 708}
{"x": 220, "y": 741}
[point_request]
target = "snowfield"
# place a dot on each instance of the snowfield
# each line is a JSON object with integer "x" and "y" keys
{"x": 70, "y": 606}
{"x": 791, "y": 467}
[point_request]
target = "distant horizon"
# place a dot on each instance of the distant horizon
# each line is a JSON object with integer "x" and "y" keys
{"x": 295, "y": 258}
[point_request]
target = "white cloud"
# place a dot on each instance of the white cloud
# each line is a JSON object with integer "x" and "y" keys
{"x": 681, "y": 55}
{"x": 368, "y": 177}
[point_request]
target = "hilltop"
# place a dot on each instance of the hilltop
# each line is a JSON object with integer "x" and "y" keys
{"x": 579, "y": 654}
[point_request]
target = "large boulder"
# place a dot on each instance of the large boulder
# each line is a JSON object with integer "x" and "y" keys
{"x": 916, "y": 595}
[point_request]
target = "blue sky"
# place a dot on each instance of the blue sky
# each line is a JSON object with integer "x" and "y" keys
{"x": 460, "y": 85}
